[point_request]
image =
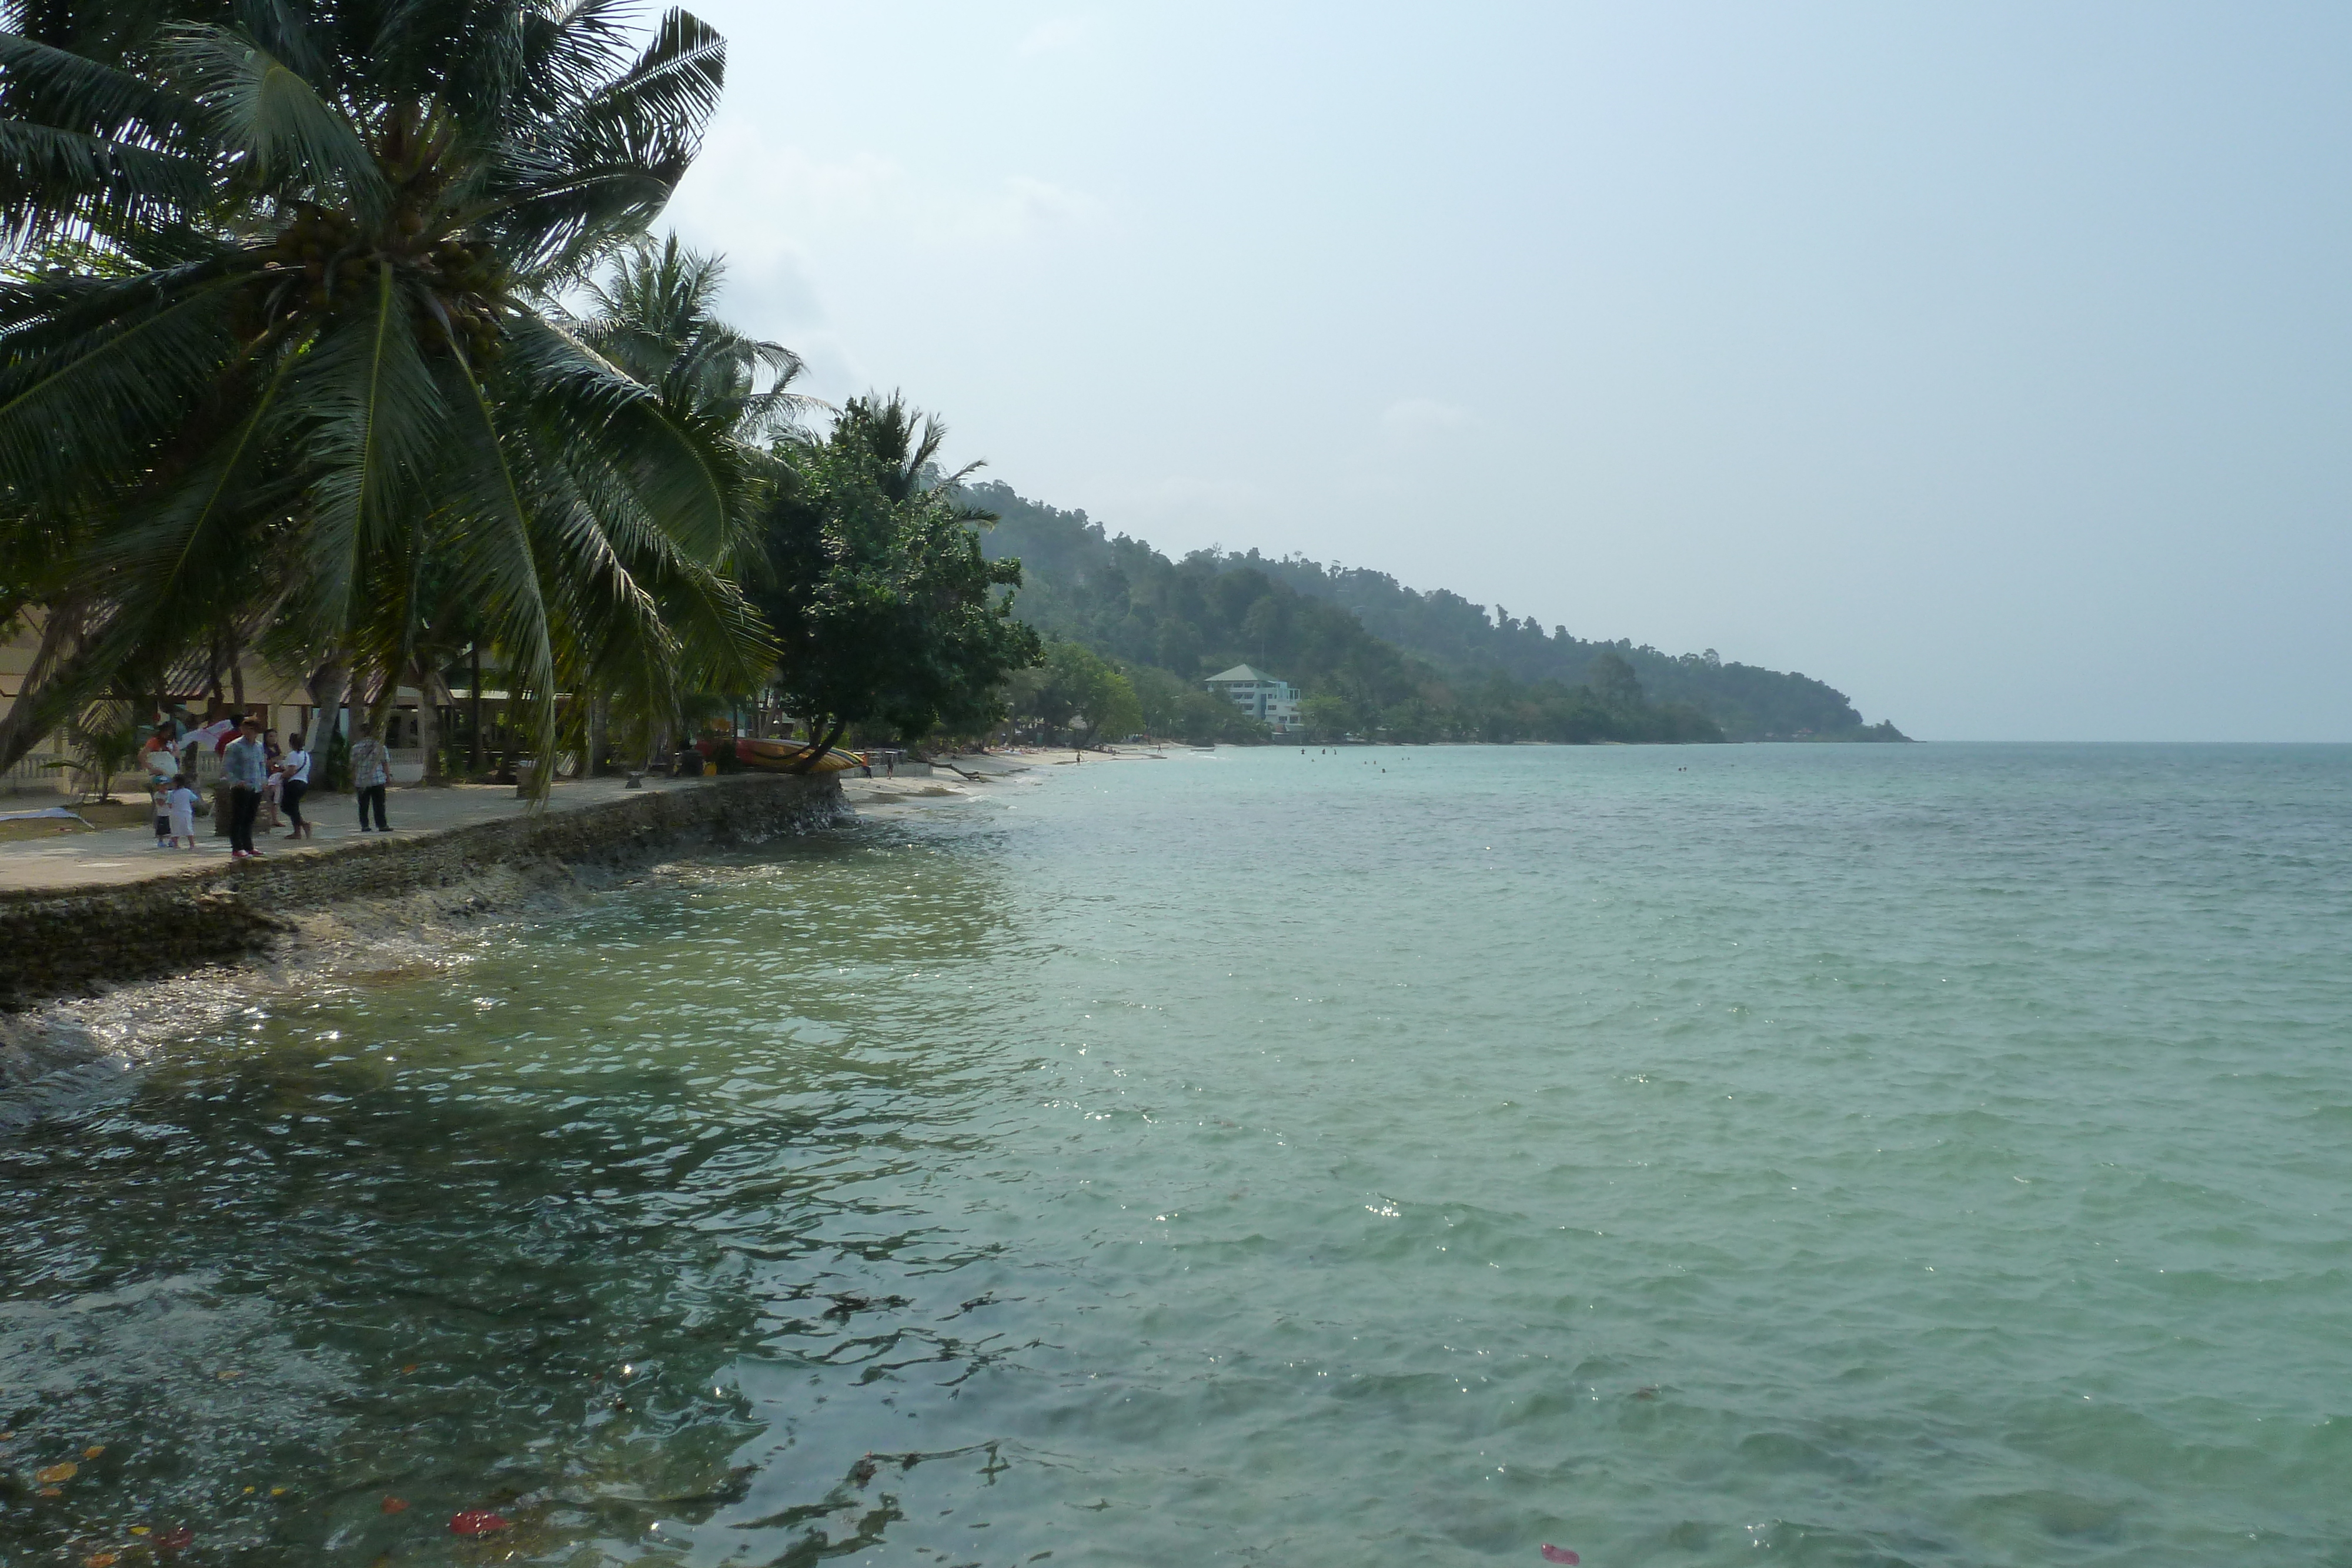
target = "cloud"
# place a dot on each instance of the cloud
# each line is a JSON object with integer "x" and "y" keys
{"x": 1024, "y": 206}
{"x": 1420, "y": 418}
{"x": 764, "y": 196}
{"x": 1051, "y": 37}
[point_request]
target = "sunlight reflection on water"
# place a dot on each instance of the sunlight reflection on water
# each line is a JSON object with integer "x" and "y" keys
{"x": 1871, "y": 1154}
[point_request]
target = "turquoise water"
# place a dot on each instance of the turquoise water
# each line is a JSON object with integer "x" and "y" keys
{"x": 1867, "y": 1155}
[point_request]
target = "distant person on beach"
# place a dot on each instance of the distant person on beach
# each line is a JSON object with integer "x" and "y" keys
{"x": 293, "y": 783}
{"x": 245, "y": 768}
{"x": 371, "y": 772}
{"x": 180, "y": 802}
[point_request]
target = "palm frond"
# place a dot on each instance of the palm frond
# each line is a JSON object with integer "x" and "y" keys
{"x": 115, "y": 386}
{"x": 377, "y": 415}
{"x": 275, "y": 118}
{"x": 63, "y": 88}
{"x": 71, "y": 182}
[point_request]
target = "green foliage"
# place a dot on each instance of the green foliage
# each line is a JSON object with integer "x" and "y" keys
{"x": 871, "y": 573}
{"x": 1329, "y": 717}
{"x": 282, "y": 272}
{"x": 106, "y": 740}
{"x": 1072, "y": 689}
{"x": 1194, "y": 617}
{"x": 1376, "y": 658}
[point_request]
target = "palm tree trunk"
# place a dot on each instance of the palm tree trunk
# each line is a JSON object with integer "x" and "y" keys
{"x": 327, "y": 691}
{"x": 386, "y": 699}
{"x": 380, "y": 706}
{"x": 62, "y": 666}
{"x": 431, "y": 689}
{"x": 809, "y": 758}
{"x": 474, "y": 695}
{"x": 600, "y": 726}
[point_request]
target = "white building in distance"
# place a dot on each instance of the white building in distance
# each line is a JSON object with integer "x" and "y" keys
{"x": 1271, "y": 703}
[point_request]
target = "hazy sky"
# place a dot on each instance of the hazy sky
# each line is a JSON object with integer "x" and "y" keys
{"x": 1989, "y": 362}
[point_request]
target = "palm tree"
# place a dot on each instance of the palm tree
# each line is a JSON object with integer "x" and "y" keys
{"x": 654, "y": 315}
{"x": 277, "y": 328}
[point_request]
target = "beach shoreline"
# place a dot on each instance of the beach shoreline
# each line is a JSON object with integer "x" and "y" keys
{"x": 102, "y": 971}
{"x": 111, "y": 951}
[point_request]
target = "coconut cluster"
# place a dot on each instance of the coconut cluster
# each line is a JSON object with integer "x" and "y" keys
{"x": 326, "y": 263}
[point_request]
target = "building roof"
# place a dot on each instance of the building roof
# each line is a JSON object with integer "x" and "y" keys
{"x": 1240, "y": 673}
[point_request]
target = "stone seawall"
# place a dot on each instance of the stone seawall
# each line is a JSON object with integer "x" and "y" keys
{"x": 63, "y": 942}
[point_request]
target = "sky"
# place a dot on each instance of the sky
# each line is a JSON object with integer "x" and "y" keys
{"x": 1989, "y": 362}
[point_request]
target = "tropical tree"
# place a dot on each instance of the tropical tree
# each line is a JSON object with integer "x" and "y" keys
{"x": 872, "y": 577}
{"x": 1077, "y": 691}
{"x": 105, "y": 741}
{"x": 276, "y": 333}
{"x": 654, "y": 314}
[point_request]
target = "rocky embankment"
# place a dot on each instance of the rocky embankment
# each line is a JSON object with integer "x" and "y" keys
{"x": 357, "y": 903}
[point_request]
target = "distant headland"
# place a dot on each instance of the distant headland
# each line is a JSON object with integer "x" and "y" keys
{"x": 1373, "y": 658}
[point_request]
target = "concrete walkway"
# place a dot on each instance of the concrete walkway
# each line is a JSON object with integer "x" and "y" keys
{"x": 113, "y": 855}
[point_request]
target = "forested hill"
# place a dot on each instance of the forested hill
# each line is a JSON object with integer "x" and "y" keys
{"x": 1418, "y": 665}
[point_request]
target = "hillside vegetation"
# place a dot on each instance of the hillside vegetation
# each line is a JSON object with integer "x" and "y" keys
{"x": 1375, "y": 657}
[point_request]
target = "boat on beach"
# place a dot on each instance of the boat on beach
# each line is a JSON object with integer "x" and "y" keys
{"x": 779, "y": 756}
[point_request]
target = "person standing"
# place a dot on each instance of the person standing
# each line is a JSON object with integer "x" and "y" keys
{"x": 182, "y": 803}
{"x": 160, "y": 786}
{"x": 371, "y": 772}
{"x": 245, "y": 768}
{"x": 293, "y": 783}
{"x": 270, "y": 752}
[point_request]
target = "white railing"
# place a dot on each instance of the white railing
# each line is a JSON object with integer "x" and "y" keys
{"x": 30, "y": 777}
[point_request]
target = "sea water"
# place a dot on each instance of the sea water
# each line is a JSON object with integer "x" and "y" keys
{"x": 1926, "y": 1155}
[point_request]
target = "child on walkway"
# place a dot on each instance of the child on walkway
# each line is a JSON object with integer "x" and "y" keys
{"x": 181, "y": 804}
{"x": 159, "y": 793}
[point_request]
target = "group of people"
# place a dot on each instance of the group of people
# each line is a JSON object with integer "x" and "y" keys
{"x": 253, "y": 772}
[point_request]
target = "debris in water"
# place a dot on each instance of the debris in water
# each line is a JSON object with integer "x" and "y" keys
{"x": 1558, "y": 1554}
{"x": 64, "y": 1470}
{"x": 477, "y": 1521}
{"x": 863, "y": 1470}
{"x": 53, "y": 1492}
{"x": 139, "y": 1530}
{"x": 98, "y": 1559}
{"x": 394, "y": 1504}
{"x": 179, "y": 1538}
{"x": 93, "y": 1450}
